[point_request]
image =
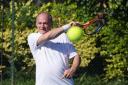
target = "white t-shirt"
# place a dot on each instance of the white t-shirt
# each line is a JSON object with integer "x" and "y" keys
{"x": 51, "y": 59}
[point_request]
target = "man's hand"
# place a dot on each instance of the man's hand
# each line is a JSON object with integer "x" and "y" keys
{"x": 68, "y": 26}
{"x": 73, "y": 23}
{"x": 68, "y": 73}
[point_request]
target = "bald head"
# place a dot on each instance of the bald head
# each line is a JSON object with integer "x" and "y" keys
{"x": 47, "y": 15}
{"x": 43, "y": 22}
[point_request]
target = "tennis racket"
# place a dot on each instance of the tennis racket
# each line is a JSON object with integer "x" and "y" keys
{"x": 94, "y": 25}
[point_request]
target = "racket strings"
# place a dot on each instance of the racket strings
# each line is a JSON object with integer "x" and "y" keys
{"x": 95, "y": 26}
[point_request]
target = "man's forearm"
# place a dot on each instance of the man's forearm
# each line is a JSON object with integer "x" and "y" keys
{"x": 53, "y": 33}
{"x": 76, "y": 63}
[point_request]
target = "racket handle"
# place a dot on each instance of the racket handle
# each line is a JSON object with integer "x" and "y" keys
{"x": 99, "y": 16}
{"x": 89, "y": 22}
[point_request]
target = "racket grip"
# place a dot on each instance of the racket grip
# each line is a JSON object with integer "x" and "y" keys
{"x": 88, "y": 23}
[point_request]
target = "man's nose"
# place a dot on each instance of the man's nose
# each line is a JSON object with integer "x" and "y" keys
{"x": 42, "y": 25}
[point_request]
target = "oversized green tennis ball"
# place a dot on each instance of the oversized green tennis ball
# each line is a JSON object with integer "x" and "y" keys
{"x": 75, "y": 33}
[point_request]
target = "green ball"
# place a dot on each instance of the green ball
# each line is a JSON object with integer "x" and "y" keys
{"x": 75, "y": 33}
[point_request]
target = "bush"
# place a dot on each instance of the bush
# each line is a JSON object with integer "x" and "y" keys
{"x": 110, "y": 44}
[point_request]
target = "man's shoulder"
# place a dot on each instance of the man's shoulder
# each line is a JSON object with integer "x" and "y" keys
{"x": 33, "y": 34}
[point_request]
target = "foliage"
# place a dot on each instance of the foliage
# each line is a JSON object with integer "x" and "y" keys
{"x": 24, "y": 24}
{"x": 87, "y": 50}
{"x": 28, "y": 79}
{"x": 110, "y": 43}
{"x": 114, "y": 48}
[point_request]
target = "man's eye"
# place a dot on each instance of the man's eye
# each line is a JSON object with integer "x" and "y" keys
{"x": 45, "y": 23}
{"x": 39, "y": 23}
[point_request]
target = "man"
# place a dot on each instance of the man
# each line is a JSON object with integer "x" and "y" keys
{"x": 52, "y": 50}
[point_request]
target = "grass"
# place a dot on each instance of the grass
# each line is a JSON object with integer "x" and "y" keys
{"x": 96, "y": 80}
{"x": 18, "y": 82}
{"x": 81, "y": 80}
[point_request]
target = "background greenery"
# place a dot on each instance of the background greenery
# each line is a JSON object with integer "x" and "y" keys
{"x": 104, "y": 54}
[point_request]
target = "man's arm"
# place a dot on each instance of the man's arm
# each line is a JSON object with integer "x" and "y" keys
{"x": 75, "y": 64}
{"x": 50, "y": 35}
{"x": 55, "y": 32}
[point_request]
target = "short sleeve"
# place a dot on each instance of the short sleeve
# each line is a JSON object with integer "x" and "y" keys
{"x": 32, "y": 41}
{"x": 71, "y": 49}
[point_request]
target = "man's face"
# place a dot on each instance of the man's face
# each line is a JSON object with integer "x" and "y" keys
{"x": 43, "y": 23}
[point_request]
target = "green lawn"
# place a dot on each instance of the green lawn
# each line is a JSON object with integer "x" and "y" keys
{"x": 81, "y": 80}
